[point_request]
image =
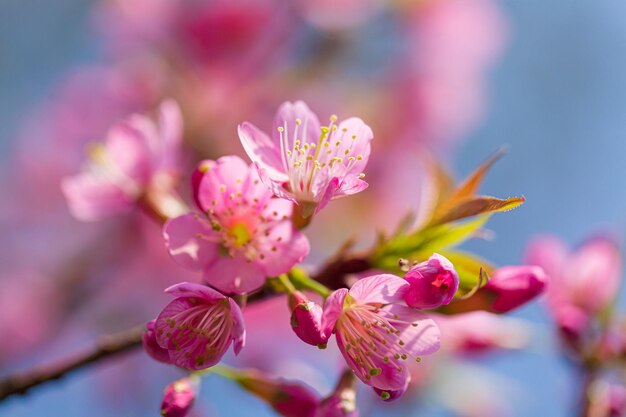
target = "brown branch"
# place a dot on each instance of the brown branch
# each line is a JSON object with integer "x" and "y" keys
{"x": 332, "y": 274}
{"x": 106, "y": 346}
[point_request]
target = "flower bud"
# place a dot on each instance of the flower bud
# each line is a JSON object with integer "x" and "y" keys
{"x": 179, "y": 396}
{"x": 287, "y": 398}
{"x": 432, "y": 283}
{"x": 513, "y": 286}
{"x": 152, "y": 347}
{"x": 342, "y": 401}
{"x": 306, "y": 321}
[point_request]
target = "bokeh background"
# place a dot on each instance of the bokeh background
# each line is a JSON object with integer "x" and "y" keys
{"x": 554, "y": 92}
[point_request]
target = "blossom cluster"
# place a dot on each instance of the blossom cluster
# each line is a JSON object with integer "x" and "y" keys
{"x": 245, "y": 236}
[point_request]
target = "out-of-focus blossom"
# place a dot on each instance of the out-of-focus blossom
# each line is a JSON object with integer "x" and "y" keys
{"x": 479, "y": 331}
{"x": 138, "y": 158}
{"x": 376, "y": 332}
{"x": 179, "y": 397}
{"x": 198, "y": 326}
{"x": 306, "y": 321}
{"x": 513, "y": 286}
{"x": 31, "y": 307}
{"x": 606, "y": 399}
{"x": 582, "y": 282}
{"x": 338, "y": 15}
{"x": 243, "y": 236}
{"x": 445, "y": 75}
{"x": 289, "y": 399}
{"x": 308, "y": 163}
{"x": 293, "y": 399}
{"x": 152, "y": 347}
{"x": 433, "y": 283}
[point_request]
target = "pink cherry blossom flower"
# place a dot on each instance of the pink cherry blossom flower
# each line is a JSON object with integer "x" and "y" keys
{"x": 587, "y": 278}
{"x": 376, "y": 332}
{"x": 432, "y": 283}
{"x": 513, "y": 286}
{"x": 243, "y": 236}
{"x": 198, "y": 326}
{"x": 137, "y": 158}
{"x": 480, "y": 331}
{"x": 179, "y": 397}
{"x": 308, "y": 163}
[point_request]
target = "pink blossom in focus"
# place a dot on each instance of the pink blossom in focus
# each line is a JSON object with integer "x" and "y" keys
{"x": 306, "y": 321}
{"x": 583, "y": 281}
{"x": 244, "y": 235}
{"x": 308, "y": 163}
{"x": 513, "y": 286}
{"x": 179, "y": 397}
{"x": 198, "y": 326}
{"x": 433, "y": 283}
{"x": 479, "y": 331}
{"x": 152, "y": 347}
{"x": 136, "y": 158}
{"x": 376, "y": 332}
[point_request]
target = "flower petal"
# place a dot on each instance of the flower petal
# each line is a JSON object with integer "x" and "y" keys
{"x": 190, "y": 241}
{"x": 91, "y": 198}
{"x": 286, "y": 116}
{"x": 239, "y": 329}
{"x": 234, "y": 275}
{"x": 332, "y": 309}
{"x": 262, "y": 151}
{"x": 379, "y": 289}
{"x": 189, "y": 289}
{"x": 423, "y": 339}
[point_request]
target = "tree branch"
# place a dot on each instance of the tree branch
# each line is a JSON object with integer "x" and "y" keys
{"x": 106, "y": 346}
{"x": 331, "y": 274}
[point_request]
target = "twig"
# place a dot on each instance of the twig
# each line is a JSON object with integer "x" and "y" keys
{"x": 331, "y": 274}
{"x": 106, "y": 346}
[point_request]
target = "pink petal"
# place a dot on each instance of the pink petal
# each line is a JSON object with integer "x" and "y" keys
{"x": 284, "y": 246}
{"x": 329, "y": 192}
{"x": 423, "y": 339}
{"x": 234, "y": 275}
{"x": 222, "y": 178}
{"x": 171, "y": 131}
{"x": 361, "y": 146}
{"x": 286, "y": 116}
{"x": 548, "y": 252}
{"x": 379, "y": 289}
{"x": 332, "y": 309}
{"x": 262, "y": 151}
{"x": 276, "y": 187}
{"x": 351, "y": 185}
{"x": 191, "y": 241}
{"x": 91, "y": 198}
{"x": 188, "y": 289}
{"x": 128, "y": 149}
{"x": 239, "y": 328}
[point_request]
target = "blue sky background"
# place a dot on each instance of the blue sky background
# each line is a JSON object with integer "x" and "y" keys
{"x": 557, "y": 98}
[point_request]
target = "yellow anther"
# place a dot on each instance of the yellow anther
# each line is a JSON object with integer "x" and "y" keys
{"x": 333, "y": 118}
{"x": 361, "y": 175}
{"x": 298, "y": 122}
{"x": 359, "y": 157}
{"x": 280, "y": 129}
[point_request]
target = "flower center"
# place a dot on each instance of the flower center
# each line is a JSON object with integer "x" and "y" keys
{"x": 372, "y": 338}
{"x": 304, "y": 158}
{"x": 239, "y": 234}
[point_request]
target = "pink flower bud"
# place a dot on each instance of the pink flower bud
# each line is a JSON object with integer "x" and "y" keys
{"x": 179, "y": 396}
{"x": 152, "y": 347}
{"x": 513, "y": 286}
{"x": 306, "y": 321}
{"x": 433, "y": 283}
{"x": 342, "y": 401}
{"x": 289, "y": 399}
